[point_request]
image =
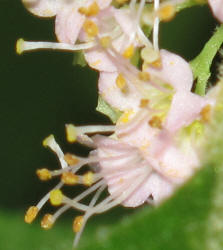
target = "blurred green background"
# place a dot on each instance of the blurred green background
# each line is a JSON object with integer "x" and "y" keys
{"x": 41, "y": 92}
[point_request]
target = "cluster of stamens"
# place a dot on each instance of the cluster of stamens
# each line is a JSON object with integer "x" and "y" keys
{"x": 143, "y": 83}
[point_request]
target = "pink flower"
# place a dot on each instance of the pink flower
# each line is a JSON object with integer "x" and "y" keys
{"x": 70, "y": 15}
{"x": 217, "y": 8}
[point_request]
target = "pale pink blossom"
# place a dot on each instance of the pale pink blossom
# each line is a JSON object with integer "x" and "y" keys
{"x": 217, "y": 8}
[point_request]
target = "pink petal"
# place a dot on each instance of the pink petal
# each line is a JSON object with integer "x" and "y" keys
{"x": 185, "y": 108}
{"x": 175, "y": 71}
{"x": 99, "y": 60}
{"x": 177, "y": 165}
{"x": 125, "y": 20}
{"x": 155, "y": 186}
{"x": 68, "y": 24}
{"x": 44, "y": 8}
{"x": 217, "y": 8}
{"x": 114, "y": 96}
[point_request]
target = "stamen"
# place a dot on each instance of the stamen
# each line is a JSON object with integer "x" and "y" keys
{"x": 105, "y": 41}
{"x": 121, "y": 83}
{"x": 44, "y": 174}
{"x": 144, "y": 76}
{"x": 69, "y": 178}
{"x": 22, "y": 46}
{"x": 92, "y": 10}
{"x": 56, "y": 197}
{"x": 167, "y": 12}
{"x": 88, "y": 178}
{"x": 74, "y": 133}
{"x": 144, "y": 103}
{"x": 31, "y": 214}
{"x": 90, "y": 28}
{"x": 47, "y": 221}
{"x": 156, "y": 122}
{"x": 77, "y": 224}
{"x": 128, "y": 53}
{"x": 53, "y": 145}
{"x": 156, "y": 27}
{"x": 88, "y": 213}
{"x": 206, "y": 113}
{"x": 71, "y": 159}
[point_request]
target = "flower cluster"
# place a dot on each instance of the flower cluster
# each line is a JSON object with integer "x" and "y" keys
{"x": 155, "y": 143}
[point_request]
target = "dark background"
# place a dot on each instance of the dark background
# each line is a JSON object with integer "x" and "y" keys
{"x": 41, "y": 92}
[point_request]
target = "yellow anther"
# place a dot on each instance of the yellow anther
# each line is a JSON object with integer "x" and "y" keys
{"x": 71, "y": 133}
{"x": 144, "y": 76}
{"x": 206, "y": 113}
{"x": 121, "y": 82}
{"x": 47, "y": 221}
{"x": 56, "y": 197}
{"x": 167, "y": 12}
{"x": 157, "y": 63}
{"x": 92, "y": 10}
{"x": 19, "y": 46}
{"x": 144, "y": 103}
{"x": 126, "y": 116}
{"x": 47, "y": 140}
{"x": 88, "y": 178}
{"x": 155, "y": 122}
{"x": 128, "y": 53}
{"x": 77, "y": 224}
{"x": 90, "y": 28}
{"x": 71, "y": 159}
{"x": 105, "y": 41}
{"x": 69, "y": 178}
{"x": 44, "y": 174}
{"x": 31, "y": 214}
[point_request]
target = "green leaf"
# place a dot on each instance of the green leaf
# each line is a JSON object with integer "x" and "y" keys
{"x": 107, "y": 110}
{"x": 79, "y": 59}
{"x": 202, "y": 63}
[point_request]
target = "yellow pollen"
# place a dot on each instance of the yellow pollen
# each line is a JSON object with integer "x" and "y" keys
{"x": 88, "y": 178}
{"x": 19, "y": 46}
{"x": 155, "y": 122}
{"x": 44, "y": 174}
{"x": 69, "y": 178}
{"x": 206, "y": 113}
{"x": 157, "y": 63}
{"x": 31, "y": 214}
{"x": 125, "y": 116}
{"x": 47, "y": 221}
{"x": 92, "y": 10}
{"x": 71, "y": 133}
{"x": 144, "y": 103}
{"x": 77, "y": 224}
{"x": 128, "y": 53}
{"x": 47, "y": 140}
{"x": 144, "y": 76}
{"x": 105, "y": 41}
{"x": 71, "y": 159}
{"x": 167, "y": 12}
{"x": 56, "y": 197}
{"x": 90, "y": 28}
{"x": 121, "y": 82}
{"x": 149, "y": 55}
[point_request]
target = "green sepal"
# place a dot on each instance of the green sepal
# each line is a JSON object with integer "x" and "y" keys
{"x": 104, "y": 108}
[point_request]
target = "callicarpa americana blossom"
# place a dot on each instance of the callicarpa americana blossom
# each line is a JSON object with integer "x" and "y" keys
{"x": 155, "y": 142}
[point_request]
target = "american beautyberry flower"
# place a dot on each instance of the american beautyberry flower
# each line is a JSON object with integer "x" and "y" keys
{"x": 217, "y": 8}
